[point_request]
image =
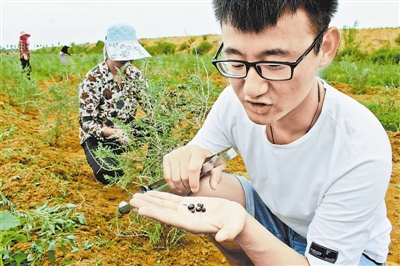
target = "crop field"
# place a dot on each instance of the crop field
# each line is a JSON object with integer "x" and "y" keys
{"x": 53, "y": 211}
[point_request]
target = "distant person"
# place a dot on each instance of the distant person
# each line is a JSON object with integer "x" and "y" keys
{"x": 105, "y": 97}
{"x": 63, "y": 52}
{"x": 24, "y": 53}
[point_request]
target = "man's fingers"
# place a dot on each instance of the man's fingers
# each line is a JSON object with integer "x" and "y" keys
{"x": 194, "y": 168}
{"x": 216, "y": 177}
{"x": 155, "y": 198}
{"x": 164, "y": 196}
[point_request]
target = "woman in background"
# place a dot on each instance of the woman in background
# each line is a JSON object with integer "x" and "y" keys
{"x": 107, "y": 102}
{"x": 62, "y": 54}
{"x": 24, "y": 53}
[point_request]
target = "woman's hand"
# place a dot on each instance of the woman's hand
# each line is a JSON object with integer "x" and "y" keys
{"x": 123, "y": 139}
{"x": 222, "y": 217}
{"x": 118, "y": 134}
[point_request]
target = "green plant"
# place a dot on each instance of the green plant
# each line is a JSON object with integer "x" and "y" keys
{"x": 351, "y": 45}
{"x": 171, "y": 114}
{"x": 386, "y": 56}
{"x": 59, "y": 107}
{"x": 183, "y": 46}
{"x": 96, "y": 49}
{"x": 349, "y": 36}
{"x": 202, "y": 48}
{"x": 359, "y": 80}
{"x": 397, "y": 40}
{"x": 20, "y": 90}
{"x": 6, "y": 133}
{"x": 51, "y": 226}
{"x": 9, "y": 235}
{"x": 387, "y": 109}
{"x": 162, "y": 48}
{"x": 362, "y": 74}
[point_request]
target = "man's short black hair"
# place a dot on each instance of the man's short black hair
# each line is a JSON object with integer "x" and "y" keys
{"x": 255, "y": 15}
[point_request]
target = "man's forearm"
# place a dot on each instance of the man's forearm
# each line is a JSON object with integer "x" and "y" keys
{"x": 263, "y": 248}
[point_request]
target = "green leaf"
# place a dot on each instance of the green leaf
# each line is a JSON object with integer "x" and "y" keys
{"x": 87, "y": 245}
{"x": 51, "y": 255}
{"x": 70, "y": 206}
{"x": 71, "y": 237}
{"x": 52, "y": 228}
{"x": 17, "y": 236}
{"x": 20, "y": 257}
{"x": 59, "y": 221}
{"x": 68, "y": 214}
{"x": 82, "y": 219}
{"x": 52, "y": 245}
{"x": 7, "y": 221}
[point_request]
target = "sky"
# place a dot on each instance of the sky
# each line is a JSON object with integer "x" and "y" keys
{"x": 60, "y": 22}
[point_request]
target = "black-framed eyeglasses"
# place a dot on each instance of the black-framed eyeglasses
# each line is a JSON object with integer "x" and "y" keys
{"x": 270, "y": 70}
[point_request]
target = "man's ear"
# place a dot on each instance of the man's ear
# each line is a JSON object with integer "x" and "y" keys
{"x": 329, "y": 45}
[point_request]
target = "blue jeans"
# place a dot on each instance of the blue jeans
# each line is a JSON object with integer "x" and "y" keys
{"x": 256, "y": 208}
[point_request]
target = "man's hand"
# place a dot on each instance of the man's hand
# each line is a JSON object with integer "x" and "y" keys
{"x": 182, "y": 169}
{"x": 222, "y": 217}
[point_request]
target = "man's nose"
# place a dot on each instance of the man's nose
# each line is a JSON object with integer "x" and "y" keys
{"x": 254, "y": 85}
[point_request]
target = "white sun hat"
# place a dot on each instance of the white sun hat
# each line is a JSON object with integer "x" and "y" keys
{"x": 121, "y": 43}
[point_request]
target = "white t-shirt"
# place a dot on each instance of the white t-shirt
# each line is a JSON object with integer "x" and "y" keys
{"x": 329, "y": 185}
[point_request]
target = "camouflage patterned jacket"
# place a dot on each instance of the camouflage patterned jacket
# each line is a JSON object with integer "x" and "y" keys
{"x": 102, "y": 101}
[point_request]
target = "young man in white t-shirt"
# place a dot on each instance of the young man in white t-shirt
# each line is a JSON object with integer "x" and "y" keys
{"x": 319, "y": 162}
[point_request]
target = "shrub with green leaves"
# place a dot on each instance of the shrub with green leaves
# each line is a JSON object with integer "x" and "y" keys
{"x": 183, "y": 46}
{"x": 161, "y": 48}
{"x": 173, "y": 112}
{"x": 397, "y": 40}
{"x": 20, "y": 90}
{"x": 50, "y": 227}
{"x": 362, "y": 74}
{"x": 351, "y": 46}
{"x": 386, "y": 109}
{"x": 9, "y": 236}
{"x": 202, "y": 48}
{"x": 60, "y": 104}
{"x": 386, "y": 55}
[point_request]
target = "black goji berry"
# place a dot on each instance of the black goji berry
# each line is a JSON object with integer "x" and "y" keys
{"x": 191, "y": 206}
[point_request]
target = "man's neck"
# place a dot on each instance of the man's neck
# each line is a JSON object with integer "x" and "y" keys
{"x": 294, "y": 126}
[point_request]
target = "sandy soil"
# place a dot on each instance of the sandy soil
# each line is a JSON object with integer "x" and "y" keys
{"x": 47, "y": 172}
